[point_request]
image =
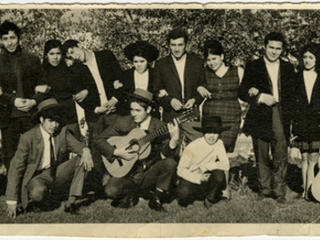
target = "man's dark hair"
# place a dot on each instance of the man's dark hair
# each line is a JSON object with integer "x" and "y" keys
{"x": 274, "y": 36}
{"x": 140, "y": 102}
{"x": 177, "y": 33}
{"x": 7, "y": 26}
{"x": 54, "y": 114}
{"x": 68, "y": 44}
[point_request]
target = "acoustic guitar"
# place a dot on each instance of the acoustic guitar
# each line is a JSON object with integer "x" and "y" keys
{"x": 138, "y": 141}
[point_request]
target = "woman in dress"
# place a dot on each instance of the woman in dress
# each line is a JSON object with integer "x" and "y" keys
{"x": 221, "y": 92}
{"x": 141, "y": 54}
{"x": 306, "y": 114}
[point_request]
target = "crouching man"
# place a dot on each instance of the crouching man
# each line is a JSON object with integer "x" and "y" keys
{"x": 203, "y": 166}
{"x": 41, "y": 161}
{"x": 152, "y": 174}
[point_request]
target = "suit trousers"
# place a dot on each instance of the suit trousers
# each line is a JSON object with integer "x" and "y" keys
{"x": 71, "y": 169}
{"x": 11, "y": 135}
{"x": 188, "y": 192}
{"x": 274, "y": 168}
{"x": 160, "y": 175}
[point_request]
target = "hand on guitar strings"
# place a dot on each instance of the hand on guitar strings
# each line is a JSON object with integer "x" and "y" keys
{"x": 174, "y": 133}
{"x": 126, "y": 153}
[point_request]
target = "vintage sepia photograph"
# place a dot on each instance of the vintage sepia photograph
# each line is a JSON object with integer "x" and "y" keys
{"x": 184, "y": 116}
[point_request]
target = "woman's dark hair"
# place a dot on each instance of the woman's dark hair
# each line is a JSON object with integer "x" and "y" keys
{"x": 314, "y": 49}
{"x": 47, "y": 47}
{"x": 7, "y": 26}
{"x": 213, "y": 47}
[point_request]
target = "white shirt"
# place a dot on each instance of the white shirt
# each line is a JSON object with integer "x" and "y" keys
{"x": 309, "y": 78}
{"x": 180, "y": 66}
{"x": 46, "y": 156}
{"x": 273, "y": 70}
{"x": 145, "y": 124}
{"x": 141, "y": 80}
{"x": 93, "y": 67}
{"x": 199, "y": 157}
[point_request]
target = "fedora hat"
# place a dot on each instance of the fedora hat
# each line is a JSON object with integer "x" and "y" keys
{"x": 211, "y": 125}
{"x": 48, "y": 104}
{"x": 142, "y": 95}
{"x": 143, "y": 49}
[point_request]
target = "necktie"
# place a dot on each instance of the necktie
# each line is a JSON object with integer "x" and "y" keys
{"x": 52, "y": 160}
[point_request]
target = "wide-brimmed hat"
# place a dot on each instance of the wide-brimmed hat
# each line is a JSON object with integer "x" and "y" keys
{"x": 48, "y": 104}
{"x": 143, "y": 49}
{"x": 143, "y": 95}
{"x": 211, "y": 125}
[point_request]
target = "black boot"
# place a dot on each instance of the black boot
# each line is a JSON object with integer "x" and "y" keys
{"x": 155, "y": 202}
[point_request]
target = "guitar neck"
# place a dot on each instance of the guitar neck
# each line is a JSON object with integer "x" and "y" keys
{"x": 153, "y": 135}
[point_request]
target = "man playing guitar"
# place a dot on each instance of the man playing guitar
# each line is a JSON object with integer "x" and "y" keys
{"x": 152, "y": 174}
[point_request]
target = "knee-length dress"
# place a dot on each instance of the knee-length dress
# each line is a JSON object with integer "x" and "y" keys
{"x": 224, "y": 103}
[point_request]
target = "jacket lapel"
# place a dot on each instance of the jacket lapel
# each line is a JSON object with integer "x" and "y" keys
{"x": 187, "y": 68}
{"x": 173, "y": 69}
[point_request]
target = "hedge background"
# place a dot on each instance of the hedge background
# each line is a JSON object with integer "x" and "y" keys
{"x": 240, "y": 31}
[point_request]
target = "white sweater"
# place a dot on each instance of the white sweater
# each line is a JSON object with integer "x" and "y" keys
{"x": 199, "y": 157}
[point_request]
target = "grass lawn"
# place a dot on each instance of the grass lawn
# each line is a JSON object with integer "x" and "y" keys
{"x": 243, "y": 207}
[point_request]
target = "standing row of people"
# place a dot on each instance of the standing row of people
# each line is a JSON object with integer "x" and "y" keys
{"x": 98, "y": 94}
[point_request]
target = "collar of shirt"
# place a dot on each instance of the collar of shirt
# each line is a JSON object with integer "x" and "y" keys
{"x": 222, "y": 70}
{"x": 181, "y": 61}
{"x": 271, "y": 64}
{"x": 89, "y": 58}
{"x": 44, "y": 133}
{"x": 145, "y": 124}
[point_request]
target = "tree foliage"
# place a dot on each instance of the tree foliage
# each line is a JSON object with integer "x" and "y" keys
{"x": 241, "y": 31}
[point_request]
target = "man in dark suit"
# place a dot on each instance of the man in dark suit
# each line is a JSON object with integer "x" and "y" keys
{"x": 268, "y": 85}
{"x": 155, "y": 174}
{"x": 96, "y": 73}
{"x": 41, "y": 161}
{"x": 19, "y": 76}
{"x": 177, "y": 78}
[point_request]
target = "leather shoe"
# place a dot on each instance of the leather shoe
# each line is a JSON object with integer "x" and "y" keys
{"x": 155, "y": 204}
{"x": 282, "y": 200}
{"x": 72, "y": 208}
{"x": 207, "y": 203}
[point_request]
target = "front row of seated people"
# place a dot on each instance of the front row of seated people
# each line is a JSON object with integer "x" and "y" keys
{"x": 42, "y": 161}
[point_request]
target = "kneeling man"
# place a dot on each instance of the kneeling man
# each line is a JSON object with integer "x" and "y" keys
{"x": 40, "y": 161}
{"x": 204, "y": 165}
{"x": 152, "y": 174}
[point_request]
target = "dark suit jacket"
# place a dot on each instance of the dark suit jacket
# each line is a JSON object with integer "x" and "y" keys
{"x": 166, "y": 77}
{"x": 28, "y": 157}
{"x": 122, "y": 127}
{"x": 306, "y": 117}
{"x": 81, "y": 78}
{"x": 258, "y": 122}
{"x": 28, "y": 71}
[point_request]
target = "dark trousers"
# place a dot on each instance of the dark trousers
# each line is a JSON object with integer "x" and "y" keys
{"x": 11, "y": 135}
{"x": 188, "y": 192}
{"x": 40, "y": 184}
{"x": 276, "y": 168}
{"x": 160, "y": 175}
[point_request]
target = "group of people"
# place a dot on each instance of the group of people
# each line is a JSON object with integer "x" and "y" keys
{"x": 110, "y": 120}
